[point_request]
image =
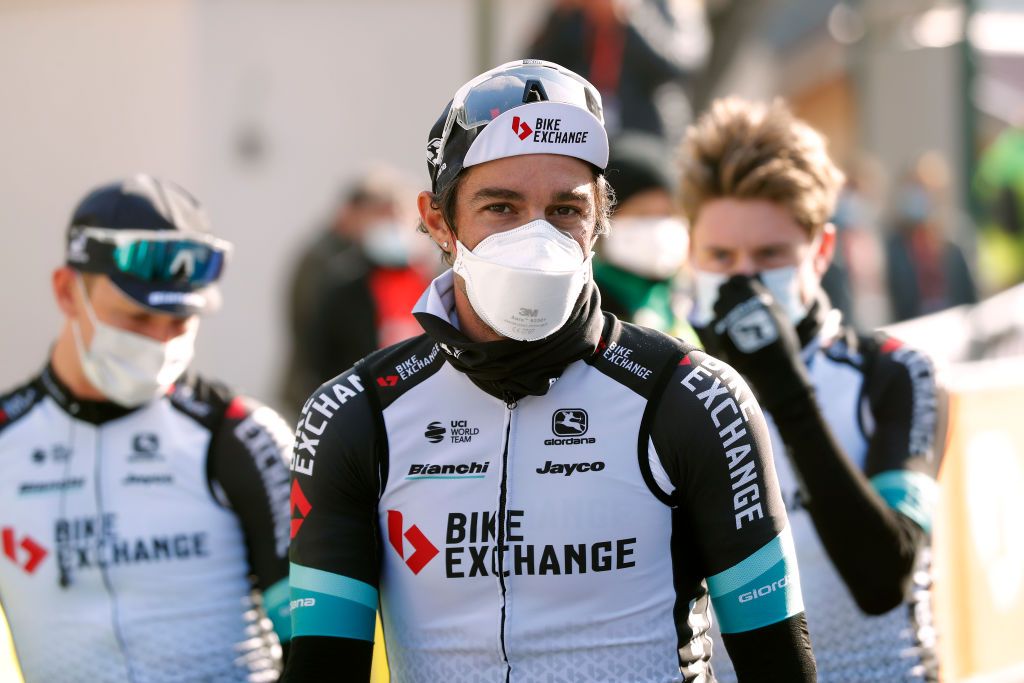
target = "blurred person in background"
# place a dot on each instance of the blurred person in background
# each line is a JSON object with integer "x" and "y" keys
{"x": 926, "y": 270}
{"x": 533, "y": 486}
{"x": 999, "y": 186}
{"x": 638, "y": 261}
{"x": 859, "y": 250}
{"x": 140, "y": 504}
{"x": 852, "y": 418}
{"x": 628, "y": 49}
{"x": 354, "y": 287}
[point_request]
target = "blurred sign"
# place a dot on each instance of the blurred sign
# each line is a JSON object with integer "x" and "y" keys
{"x": 979, "y": 534}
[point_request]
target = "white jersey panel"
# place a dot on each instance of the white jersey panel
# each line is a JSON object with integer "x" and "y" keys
{"x": 162, "y": 593}
{"x": 583, "y": 533}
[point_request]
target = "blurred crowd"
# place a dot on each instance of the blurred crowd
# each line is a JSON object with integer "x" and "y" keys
{"x": 906, "y": 247}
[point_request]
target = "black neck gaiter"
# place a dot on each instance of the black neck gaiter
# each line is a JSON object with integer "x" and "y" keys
{"x": 510, "y": 369}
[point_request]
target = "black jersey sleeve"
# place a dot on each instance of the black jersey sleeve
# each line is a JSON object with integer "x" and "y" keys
{"x": 335, "y": 549}
{"x": 710, "y": 436}
{"x": 248, "y": 472}
{"x": 871, "y": 523}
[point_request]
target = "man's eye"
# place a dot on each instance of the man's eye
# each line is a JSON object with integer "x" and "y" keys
{"x": 498, "y": 208}
{"x": 566, "y": 211}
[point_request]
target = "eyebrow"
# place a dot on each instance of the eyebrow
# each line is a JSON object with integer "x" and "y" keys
{"x": 489, "y": 193}
{"x": 571, "y": 196}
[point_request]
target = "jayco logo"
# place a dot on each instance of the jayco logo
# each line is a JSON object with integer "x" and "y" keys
{"x": 520, "y": 128}
{"x": 423, "y": 551}
{"x": 569, "y": 468}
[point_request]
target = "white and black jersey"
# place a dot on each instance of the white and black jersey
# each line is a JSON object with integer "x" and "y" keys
{"x": 132, "y": 539}
{"x": 877, "y": 409}
{"x": 575, "y": 535}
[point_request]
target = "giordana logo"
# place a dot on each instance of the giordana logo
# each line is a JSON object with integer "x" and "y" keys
{"x": 764, "y": 590}
{"x": 24, "y": 552}
{"x": 423, "y": 551}
{"x": 470, "y": 470}
{"x": 435, "y": 432}
{"x": 520, "y": 128}
{"x": 144, "y": 448}
{"x": 300, "y": 507}
{"x": 570, "y": 424}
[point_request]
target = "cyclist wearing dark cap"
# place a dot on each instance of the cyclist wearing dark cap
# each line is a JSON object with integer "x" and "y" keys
{"x": 140, "y": 505}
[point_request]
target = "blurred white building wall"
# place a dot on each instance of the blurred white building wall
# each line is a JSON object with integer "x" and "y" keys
{"x": 262, "y": 108}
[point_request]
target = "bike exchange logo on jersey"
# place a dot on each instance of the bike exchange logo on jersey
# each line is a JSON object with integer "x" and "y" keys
{"x": 94, "y": 543}
{"x": 471, "y": 548}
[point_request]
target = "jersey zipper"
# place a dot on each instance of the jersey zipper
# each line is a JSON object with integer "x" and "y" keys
{"x": 115, "y": 619}
{"x": 510, "y": 405}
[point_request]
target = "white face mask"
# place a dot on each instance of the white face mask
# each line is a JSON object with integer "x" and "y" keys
{"x": 131, "y": 369}
{"x": 387, "y": 243}
{"x": 654, "y": 248}
{"x": 524, "y": 282}
{"x": 783, "y": 283}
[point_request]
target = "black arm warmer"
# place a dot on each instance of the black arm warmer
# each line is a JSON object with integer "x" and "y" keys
{"x": 766, "y": 654}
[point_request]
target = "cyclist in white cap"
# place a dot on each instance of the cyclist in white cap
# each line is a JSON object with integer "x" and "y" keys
{"x": 533, "y": 490}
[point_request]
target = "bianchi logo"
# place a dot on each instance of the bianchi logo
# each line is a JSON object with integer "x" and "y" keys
{"x": 570, "y": 424}
{"x": 435, "y": 432}
{"x": 471, "y": 470}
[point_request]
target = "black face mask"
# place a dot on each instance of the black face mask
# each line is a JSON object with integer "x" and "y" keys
{"x": 509, "y": 369}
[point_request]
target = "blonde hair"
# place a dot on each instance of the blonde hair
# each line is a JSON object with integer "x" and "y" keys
{"x": 752, "y": 150}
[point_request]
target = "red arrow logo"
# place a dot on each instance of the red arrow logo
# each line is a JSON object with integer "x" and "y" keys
{"x": 301, "y": 505}
{"x": 388, "y": 381}
{"x": 423, "y": 550}
{"x": 520, "y": 128}
{"x": 36, "y": 552}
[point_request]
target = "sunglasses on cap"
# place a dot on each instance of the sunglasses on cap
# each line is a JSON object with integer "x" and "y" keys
{"x": 514, "y": 84}
{"x": 155, "y": 256}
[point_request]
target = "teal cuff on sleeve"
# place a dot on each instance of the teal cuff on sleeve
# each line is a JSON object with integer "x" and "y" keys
{"x": 275, "y": 602}
{"x": 326, "y": 604}
{"x": 761, "y": 590}
{"x": 912, "y": 494}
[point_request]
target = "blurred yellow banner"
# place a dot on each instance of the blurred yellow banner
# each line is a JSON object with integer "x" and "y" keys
{"x": 979, "y": 533}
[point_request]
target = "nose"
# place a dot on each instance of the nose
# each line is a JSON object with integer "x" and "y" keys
{"x": 744, "y": 265}
{"x": 165, "y": 328}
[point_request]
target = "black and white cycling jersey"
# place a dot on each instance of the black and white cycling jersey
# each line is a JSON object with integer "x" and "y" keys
{"x": 133, "y": 539}
{"x": 576, "y": 535}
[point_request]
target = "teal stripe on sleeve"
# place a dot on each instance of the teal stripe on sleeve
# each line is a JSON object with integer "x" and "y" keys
{"x": 275, "y": 602}
{"x": 326, "y": 604}
{"x": 913, "y": 494}
{"x": 760, "y": 590}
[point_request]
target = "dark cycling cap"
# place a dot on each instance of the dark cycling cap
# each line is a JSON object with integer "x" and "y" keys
{"x": 138, "y": 265}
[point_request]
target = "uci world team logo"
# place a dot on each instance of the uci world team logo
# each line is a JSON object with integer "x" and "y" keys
{"x": 569, "y": 422}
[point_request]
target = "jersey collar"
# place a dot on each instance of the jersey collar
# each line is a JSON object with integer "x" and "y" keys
{"x": 94, "y": 412}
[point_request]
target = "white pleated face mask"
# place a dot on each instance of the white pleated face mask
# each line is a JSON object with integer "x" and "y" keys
{"x": 783, "y": 283}
{"x": 524, "y": 282}
{"x": 131, "y": 369}
{"x": 653, "y": 248}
